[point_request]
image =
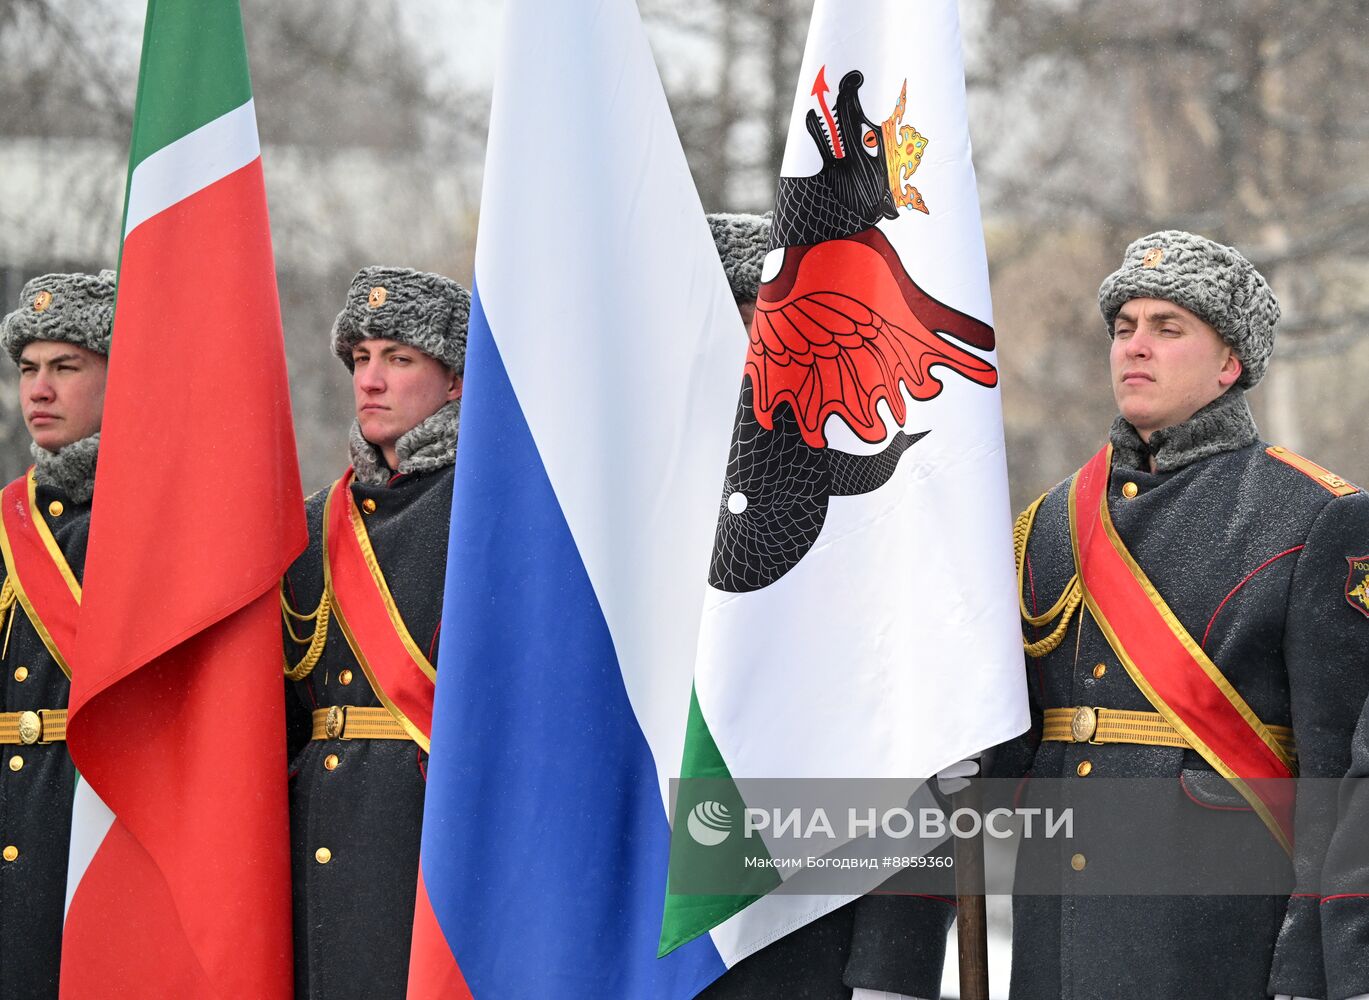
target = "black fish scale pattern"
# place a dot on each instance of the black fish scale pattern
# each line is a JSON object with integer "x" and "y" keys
{"x": 785, "y": 483}
{"x": 807, "y": 212}
{"x": 853, "y": 475}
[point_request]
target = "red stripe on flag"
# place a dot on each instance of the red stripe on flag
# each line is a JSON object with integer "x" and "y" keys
{"x": 177, "y": 709}
{"x": 433, "y": 972}
{"x": 165, "y": 959}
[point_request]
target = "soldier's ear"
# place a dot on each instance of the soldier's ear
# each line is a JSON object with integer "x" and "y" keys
{"x": 454, "y": 387}
{"x": 1231, "y": 369}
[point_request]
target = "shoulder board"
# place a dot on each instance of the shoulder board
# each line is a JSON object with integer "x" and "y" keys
{"x": 1324, "y": 478}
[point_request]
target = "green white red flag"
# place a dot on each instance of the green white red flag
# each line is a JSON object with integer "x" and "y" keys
{"x": 180, "y": 886}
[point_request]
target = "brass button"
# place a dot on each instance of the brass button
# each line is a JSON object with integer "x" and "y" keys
{"x": 344, "y": 678}
{"x": 21, "y": 674}
{"x": 55, "y": 508}
{"x": 30, "y": 728}
{"x": 377, "y": 297}
{"x": 1129, "y": 490}
{"x": 16, "y": 763}
{"x": 1084, "y": 724}
{"x": 1078, "y": 862}
{"x": 11, "y": 853}
{"x": 1099, "y": 670}
{"x": 330, "y": 762}
{"x": 1152, "y": 257}
{"x": 368, "y": 505}
{"x": 323, "y": 855}
{"x": 41, "y": 301}
{"x": 1084, "y": 769}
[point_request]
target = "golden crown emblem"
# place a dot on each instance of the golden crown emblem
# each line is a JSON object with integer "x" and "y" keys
{"x": 903, "y": 149}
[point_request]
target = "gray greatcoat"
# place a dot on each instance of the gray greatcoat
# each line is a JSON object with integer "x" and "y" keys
{"x": 1250, "y": 553}
{"x": 354, "y": 914}
{"x": 1345, "y": 885}
{"x": 38, "y": 780}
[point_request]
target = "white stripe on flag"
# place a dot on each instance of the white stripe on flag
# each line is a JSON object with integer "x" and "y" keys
{"x": 90, "y": 821}
{"x": 192, "y": 163}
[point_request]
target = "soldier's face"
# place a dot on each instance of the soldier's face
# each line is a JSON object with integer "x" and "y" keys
{"x": 1167, "y": 364}
{"x": 61, "y": 392}
{"x": 396, "y": 387}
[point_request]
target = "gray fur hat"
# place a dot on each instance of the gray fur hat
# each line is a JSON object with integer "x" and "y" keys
{"x": 73, "y": 308}
{"x": 742, "y": 241}
{"x": 1209, "y": 279}
{"x": 426, "y": 311}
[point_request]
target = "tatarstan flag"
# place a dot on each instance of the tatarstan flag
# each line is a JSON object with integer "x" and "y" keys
{"x": 177, "y": 721}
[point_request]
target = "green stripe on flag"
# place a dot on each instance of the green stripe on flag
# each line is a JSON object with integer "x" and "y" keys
{"x": 704, "y": 779}
{"x": 194, "y": 70}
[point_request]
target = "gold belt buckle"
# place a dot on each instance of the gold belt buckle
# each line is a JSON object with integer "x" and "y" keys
{"x": 1084, "y": 724}
{"x": 30, "y": 728}
{"x": 335, "y": 723}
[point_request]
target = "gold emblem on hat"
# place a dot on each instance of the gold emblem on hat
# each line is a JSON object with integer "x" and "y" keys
{"x": 332, "y": 725}
{"x": 378, "y": 297}
{"x": 41, "y": 301}
{"x": 1152, "y": 257}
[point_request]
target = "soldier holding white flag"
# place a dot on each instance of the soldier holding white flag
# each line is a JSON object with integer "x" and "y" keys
{"x": 1189, "y": 617}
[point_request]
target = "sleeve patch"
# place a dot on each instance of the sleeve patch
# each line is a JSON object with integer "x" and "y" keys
{"x": 1357, "y": 584}
{"x": 1324, "y": 478}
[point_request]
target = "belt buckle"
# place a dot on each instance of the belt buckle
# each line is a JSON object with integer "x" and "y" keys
{"x": 30, "y": 728}
{"x": 1084, "y": 725}
{"x": 335, "y": 724}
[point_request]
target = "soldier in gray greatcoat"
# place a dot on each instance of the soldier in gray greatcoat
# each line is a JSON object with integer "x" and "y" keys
{"x": 1247, "y": 545}
{"x": 357, "y": 772}
{"x": 59, "y": 339}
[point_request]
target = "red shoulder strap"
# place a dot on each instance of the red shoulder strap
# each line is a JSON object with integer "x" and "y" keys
{"x": 401, "y": 675}
{"x": 43, "y": 583}
{"x": 1167, "y": 664}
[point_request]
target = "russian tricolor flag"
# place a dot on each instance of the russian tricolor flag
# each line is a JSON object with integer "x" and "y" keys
{"x": 601, "y": 386}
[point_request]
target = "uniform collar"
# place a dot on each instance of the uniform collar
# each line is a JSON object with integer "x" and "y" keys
{"x": 70, "y": 469}
{"x": 1225, "y": 424}
{"x": 430, "y": 445}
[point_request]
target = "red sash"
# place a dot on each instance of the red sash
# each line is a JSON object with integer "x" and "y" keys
{"x": 43, "y": 582}
{"x": 1166, "y": 663}
{"x": 401, "y": 675}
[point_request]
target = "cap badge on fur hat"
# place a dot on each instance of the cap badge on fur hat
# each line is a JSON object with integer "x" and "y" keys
{"x": 71, "y": 308}
{"x": 424, "y": 310}
{"x": 1213, "y": 281}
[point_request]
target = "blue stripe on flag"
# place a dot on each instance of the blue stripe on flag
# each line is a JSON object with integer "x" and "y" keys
{"x": 545, "y": 840}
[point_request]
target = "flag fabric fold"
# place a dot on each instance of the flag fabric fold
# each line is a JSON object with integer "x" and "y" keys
{"x": 604, "y": 350}
{"x": 180, "y": 877}
{"x": 861, "y": 621}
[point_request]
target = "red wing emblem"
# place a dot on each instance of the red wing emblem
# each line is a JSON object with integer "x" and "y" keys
{"x": 843, "y": 326}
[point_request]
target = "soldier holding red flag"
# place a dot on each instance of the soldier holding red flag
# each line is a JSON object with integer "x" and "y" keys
{"x": 363, "y": 608}
{"x": 1186, "y": 614}
{"x": 59, "y": 338}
